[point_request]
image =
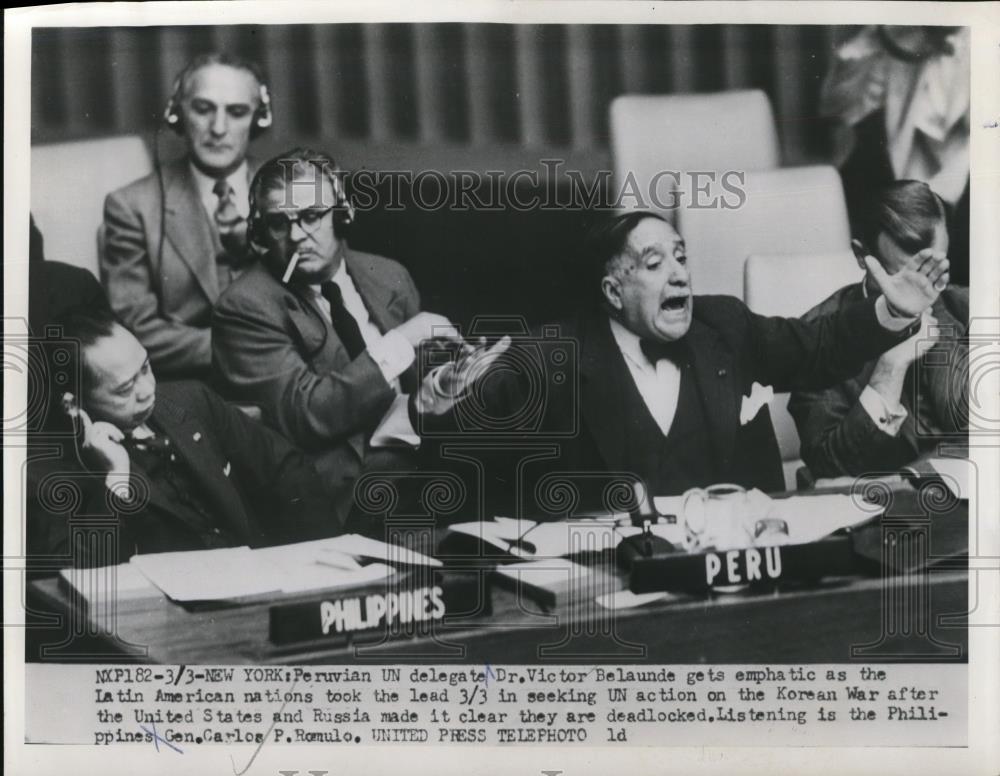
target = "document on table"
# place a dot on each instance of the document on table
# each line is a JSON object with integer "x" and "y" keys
{"x": 206, "y": 575}
{"x": 98, "y": 581}
{"x": 528, "y": 539}
{"x": 547, "y": 574}
{"x": 811, "y": 518}
{"x": 502, "y": 532}
{"x": 361, "y": 546}
{"x": 240, "y": 573}
{"x": 299, "y": 568}
{"x": 626, "y": 599}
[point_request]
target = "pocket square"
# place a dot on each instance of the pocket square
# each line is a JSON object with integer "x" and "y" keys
{"x": 227, "y": 468}
{"x": 759, "y": 396}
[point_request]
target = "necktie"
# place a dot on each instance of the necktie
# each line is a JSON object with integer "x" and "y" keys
{"x": 231, "y": 225}
{"x": 343, "y": 322}
{"x": 655, "y": 350}
{"x": 145, "y": 441}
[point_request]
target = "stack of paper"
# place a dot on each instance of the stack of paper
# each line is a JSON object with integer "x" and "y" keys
{"x": 363, "y": 547}
{"x": 527, "y": 539}
{"x": 544, "y": 573}
{"x": 239, "y": 573}
{"x": 207, "y": 575}
{"x": 811, "y": 518}
{"x": 100, "y": 583}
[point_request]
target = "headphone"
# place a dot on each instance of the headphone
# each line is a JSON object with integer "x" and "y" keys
{"x": 263, "y": 116}
{"x": 343, "y": 209}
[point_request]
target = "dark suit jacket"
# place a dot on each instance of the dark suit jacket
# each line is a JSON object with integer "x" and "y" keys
{"x": 166, "y": 301}
{"x": 840, "y": 438}
{"x": 258, "y": 487}
{"x": 730, "y": 348}
{"x": 55, "y": 288}
{"x": 273, "y": 347}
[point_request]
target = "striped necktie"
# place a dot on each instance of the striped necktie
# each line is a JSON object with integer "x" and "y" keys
{"x": 231, "y": 225}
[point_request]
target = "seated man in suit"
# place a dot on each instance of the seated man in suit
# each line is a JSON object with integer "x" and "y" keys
{"x": 322, "y": 337}
{"x": 174, "y": 240}
{"x": 174, "y": 466}
{"x": 665, "y": 389}
{"x": 900, "y": 405}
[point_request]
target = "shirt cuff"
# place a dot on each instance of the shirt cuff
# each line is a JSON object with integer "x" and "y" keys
{"x": 124, "y": 492}
{"x": 887, "y": 419}
{"x": 887, "y": 320}
{"x": 396, "y": 429}
{"x": 393, "y": 354}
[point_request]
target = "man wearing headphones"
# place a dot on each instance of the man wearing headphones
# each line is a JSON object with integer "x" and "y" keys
{"x": 176, "y": 239}
{"x": 322, "y": 337}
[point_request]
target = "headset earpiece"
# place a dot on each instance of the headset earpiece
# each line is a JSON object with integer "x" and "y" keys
{"x": 171, "y": 113}
{"x": 343, "y": 209}
{"x": 263, "y": 117}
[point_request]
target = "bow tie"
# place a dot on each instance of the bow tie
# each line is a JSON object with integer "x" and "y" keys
{"x": 654, "y": 350}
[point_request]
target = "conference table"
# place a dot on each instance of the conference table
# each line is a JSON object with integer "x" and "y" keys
{"x": 880, "y": 611}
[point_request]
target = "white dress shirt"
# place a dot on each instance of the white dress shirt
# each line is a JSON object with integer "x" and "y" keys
{"x": 239, "y": 181}
{"x": 888, "y": 416}
{"x": 659, "y": 384}
{"x": 391, "y": 351}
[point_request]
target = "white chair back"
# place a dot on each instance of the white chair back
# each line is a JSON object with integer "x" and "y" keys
{"x": 680, "y": 133}
{"x": 69, "y": 182}
{"x": 790, "y": 285}
{"x": 796, "y": 210}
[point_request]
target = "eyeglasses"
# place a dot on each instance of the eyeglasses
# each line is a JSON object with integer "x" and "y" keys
{"x": 279, "y": 224}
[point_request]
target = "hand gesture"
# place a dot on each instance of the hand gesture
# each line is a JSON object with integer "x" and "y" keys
{"x": 447, "y": 384}
{"x": 423, "y": 326}
{"x": 916, "y": 286}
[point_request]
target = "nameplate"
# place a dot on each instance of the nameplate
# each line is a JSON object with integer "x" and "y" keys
{"x": 403, "y": 608}
{"x": 754, "y": 566}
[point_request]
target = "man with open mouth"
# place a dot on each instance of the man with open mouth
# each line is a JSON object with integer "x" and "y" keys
{"x": 662, "y": 378}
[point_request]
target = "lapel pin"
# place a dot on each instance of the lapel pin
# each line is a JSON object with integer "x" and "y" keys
{"x": 197, "y": 436}
{"x": 722, "y": 373}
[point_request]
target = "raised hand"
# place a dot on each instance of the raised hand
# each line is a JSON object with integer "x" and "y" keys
{"x": 916, "y": 286}
{"x": 447, "y": 384}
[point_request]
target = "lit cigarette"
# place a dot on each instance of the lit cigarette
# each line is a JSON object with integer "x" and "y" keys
{"x": 291, "y": 267}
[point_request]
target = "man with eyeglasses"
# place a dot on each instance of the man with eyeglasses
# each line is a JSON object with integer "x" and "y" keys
{"x": 323, "y": 338}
